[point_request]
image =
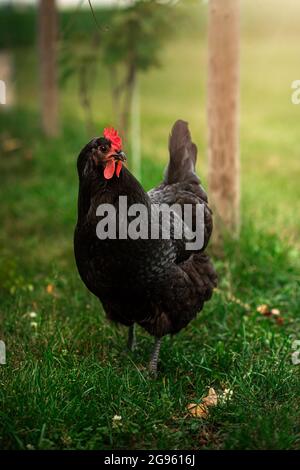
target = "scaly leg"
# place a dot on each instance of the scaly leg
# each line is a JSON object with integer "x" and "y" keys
{"x": 131, "y": 343}
{"x": 154, "y": 357}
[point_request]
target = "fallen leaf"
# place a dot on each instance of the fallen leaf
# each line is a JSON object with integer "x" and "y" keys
{"x": 264, "y": 310}
{"x": 211, "y": 399}
{"x": 50, "y": 288}
{"x": 270, "y": 312}
{"x": 9, "y": 145}
{"x": 200, "y": 410}
{"x": 275, "y": 311}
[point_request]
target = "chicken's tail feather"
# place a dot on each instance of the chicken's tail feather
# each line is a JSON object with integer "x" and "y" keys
{"x": 183, "y": 155}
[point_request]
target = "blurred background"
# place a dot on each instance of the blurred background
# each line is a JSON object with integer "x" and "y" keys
{"x": 170, "y": 72}
{"x": 138, "y": 67}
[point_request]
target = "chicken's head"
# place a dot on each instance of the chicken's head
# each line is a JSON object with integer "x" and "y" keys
{"x": 105, "y": 154}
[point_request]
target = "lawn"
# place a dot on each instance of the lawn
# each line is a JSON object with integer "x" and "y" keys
{"x": 68, "y": 373}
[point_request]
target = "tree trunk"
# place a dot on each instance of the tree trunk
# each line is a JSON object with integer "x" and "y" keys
{"x": 223, "y": 115}
{"x": 85, "y": 98}
{"x": 48, "y": 73}
{"x": 116, "y": 96}
{"x": 127, "y": 99}
{"x": 136, "y": 131}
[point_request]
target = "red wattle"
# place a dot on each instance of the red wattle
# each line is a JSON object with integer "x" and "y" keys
{"x": 109, "y": 169}
{"x": 119, "y": 168}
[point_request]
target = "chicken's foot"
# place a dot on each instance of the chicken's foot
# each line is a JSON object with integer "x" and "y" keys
{"x": 154, "y": 357}
{"x": 131, "y": 342}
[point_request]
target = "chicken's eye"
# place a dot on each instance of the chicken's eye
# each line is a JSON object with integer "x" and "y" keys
{"x": 103, "y": 148}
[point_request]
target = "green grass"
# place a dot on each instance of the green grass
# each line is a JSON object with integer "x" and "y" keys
{"x": 68, "y": 373}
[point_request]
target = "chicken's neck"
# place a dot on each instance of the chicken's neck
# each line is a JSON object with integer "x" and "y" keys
{"x": 96, "y": 190}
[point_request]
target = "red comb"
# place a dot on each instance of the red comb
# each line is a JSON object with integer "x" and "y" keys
{"x": 111, "y": 134}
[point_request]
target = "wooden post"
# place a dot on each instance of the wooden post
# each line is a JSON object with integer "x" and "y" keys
{"x": 48, "y": 70}
{"x": 223, "y": 115}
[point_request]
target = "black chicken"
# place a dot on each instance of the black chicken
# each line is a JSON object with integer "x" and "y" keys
{"x": 157, "y": 283}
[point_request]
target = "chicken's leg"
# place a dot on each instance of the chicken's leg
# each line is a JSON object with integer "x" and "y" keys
{"x": 154, "y": 357}
{"x": 131, "y": 343}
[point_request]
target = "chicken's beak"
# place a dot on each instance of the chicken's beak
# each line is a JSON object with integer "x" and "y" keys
{"x": 120, "y": 156}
